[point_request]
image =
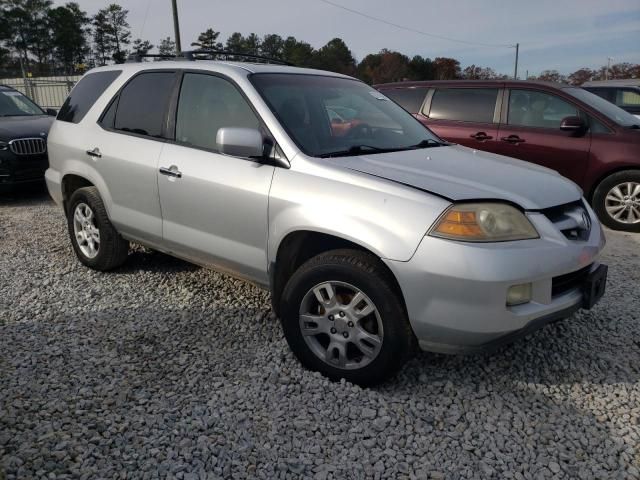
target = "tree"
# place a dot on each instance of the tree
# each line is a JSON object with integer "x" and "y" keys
{"x": 208, "y": 40}
{"x": 383, "y": 67}
{"x": 235, "y": 43}
{"x": 580, "y": 76}
{"x": 272, "y": 46}
{"x": 142, "y": 47}
{"x": 473, "y": 72}
{"x": 335, "y": 56}
{"x": 69, "y": 29}
{"x": 167, "y": 47}
{"x": 421, "y": 68}
{"x": 101, "y": 40}
{"x": 298, "y": 53}
{"x": 114, "y": 30}
{"x": 446, "y": 68}
{"x": 552, "y": 76}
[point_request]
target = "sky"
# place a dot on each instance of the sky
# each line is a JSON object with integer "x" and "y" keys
{"x": 553, "y": 34}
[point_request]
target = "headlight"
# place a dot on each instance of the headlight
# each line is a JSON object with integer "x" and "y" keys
{"x": 483, "y": 222}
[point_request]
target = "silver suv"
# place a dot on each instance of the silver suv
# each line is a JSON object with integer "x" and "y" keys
{"x": 372, "y": 234}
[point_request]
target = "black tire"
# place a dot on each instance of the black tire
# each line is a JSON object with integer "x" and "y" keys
{"x": 600, "y": 195}
{"x": 112, "y": 250}
{"x": 369, "y": 275}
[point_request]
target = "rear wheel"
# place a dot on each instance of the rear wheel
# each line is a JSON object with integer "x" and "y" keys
{"x": 617, "y": 201}
{"x": 342, "y": 317}
{"x": 95, "y": 240}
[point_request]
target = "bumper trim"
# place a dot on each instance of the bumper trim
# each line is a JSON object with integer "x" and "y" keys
{"x": 496, "y": 343}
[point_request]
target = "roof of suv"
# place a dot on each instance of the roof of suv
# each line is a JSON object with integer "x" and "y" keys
{"x": 629, "y": 82}
{"x": 508, "y": 83}
{"x": 218, "y": 66}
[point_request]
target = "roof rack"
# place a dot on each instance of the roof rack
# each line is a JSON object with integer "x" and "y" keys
{"x": 204, "y": 54}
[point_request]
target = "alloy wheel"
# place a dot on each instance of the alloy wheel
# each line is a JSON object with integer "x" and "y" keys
{"x": 341, "y": 325}
{"x": 86, "y": 231}
{"x": 623, "y": 202}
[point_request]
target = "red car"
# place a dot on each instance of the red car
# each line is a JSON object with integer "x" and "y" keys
{"x": 582, "y": 136}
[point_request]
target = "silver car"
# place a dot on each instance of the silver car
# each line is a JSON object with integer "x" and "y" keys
{"x": 372, "y": 234}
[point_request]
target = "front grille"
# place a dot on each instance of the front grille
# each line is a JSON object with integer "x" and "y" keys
{"x": 569, "y": 281}
{"x": 572, "y": 220}
{"x": 28, "y": 146}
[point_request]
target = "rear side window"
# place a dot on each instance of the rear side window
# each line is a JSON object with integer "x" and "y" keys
{"x": 142, "y": 105}
{"x": 408, "y": 98}
{"x": 85, "y": 94}
{"x": 464, "y": 104}
{"x": 628, "y": 98}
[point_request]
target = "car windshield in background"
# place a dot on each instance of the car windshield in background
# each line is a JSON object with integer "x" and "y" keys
{"x": 13, "y": 103}
{"x": 612, "y": 111}
{"x": 331, "y": 116}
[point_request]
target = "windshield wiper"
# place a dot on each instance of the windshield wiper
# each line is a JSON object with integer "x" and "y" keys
{"x": 357, "y": 150}
{"x": 427, "y": 143}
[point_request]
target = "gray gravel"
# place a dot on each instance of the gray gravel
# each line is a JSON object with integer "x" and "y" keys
{"x": 163, "y": 369}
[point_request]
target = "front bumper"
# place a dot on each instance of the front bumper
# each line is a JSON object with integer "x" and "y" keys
{"x": 16, "y": 171}
{"x": 455, "y": 292}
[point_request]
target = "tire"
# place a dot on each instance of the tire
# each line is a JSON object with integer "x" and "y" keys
{"x": 86, "y": 215}
{"x": 618, "y": 190}
{"x": 373, "y": 338}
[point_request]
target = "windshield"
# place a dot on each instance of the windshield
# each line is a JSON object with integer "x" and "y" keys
{"x": 613, "y": 112}
{"x": 14, "y": 103}
{"x": 330, "y": 116}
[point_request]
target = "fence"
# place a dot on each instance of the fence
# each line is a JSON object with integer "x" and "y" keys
{"x": 48, "y": 92}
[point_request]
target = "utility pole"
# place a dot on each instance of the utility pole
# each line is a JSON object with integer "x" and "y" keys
{"x": 176, "y": 26}
{"x": 606, "y": 74}
{"x": 515, "y": 72}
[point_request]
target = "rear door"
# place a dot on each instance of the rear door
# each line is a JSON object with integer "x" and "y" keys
{"x": 531, "y": 131}
{"x": 214, "y": 206}
{"x": 465, "y": 115}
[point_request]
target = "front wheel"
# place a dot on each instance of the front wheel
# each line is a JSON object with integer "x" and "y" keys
{"x": 617, "y": 201}
{"x": 341, "y": 316}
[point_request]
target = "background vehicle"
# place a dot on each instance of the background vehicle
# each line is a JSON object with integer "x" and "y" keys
{"x": 23, "y": 139}
{"x": 578, "y": 134}
{"x": 365, "y": 236}
{"x": 623, "y": 93}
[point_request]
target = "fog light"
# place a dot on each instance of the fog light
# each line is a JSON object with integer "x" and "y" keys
{"x": 519, "y": 294}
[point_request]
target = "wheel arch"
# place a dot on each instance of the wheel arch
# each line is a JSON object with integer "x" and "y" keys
{"x": 604, "y": 175}
{"x": 301, "y": 245}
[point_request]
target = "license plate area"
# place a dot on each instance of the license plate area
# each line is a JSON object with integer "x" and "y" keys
{"x": 594, "y": 287}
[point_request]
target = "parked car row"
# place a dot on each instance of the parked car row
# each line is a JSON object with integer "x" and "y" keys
{"x": 580, "y": 135}
{"x": 373, "y": 235}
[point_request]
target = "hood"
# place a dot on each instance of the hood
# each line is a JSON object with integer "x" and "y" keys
{"x": 460, "y": 173}
{"x": 27, "y": 126}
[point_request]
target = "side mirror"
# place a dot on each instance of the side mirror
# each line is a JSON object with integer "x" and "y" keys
{"x": 240, "y": 142}
{"x": 52, "y": 112}
{"x": 572, "y": 124}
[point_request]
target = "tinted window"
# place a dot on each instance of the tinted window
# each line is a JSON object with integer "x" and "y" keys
{"x": 85, "y": 94}
{"x": 142, "y": 104}
{"x": 206, "y": 104}
{"x": 606, "y": 93}
{"x": 464, "y": 104}
{"x": 408, "y": 98}
{"x": 530, "y": 108}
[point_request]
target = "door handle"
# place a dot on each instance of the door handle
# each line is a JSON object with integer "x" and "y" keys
{"x": 171, "y": 171}
{"x": 513, "y": 139}
{"x": 94, "y": 153}
{"x": 481, "y": 136}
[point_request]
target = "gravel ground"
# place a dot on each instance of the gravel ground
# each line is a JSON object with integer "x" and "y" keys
{"x": 163, "y": 369}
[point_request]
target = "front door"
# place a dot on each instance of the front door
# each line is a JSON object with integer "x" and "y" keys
{"x": 214, "y": 206}
{"x": 532, "y": 133}
{"x": 467, "y": 116}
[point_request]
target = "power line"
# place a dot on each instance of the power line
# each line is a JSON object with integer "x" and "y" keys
{"x": 409, "y": 29}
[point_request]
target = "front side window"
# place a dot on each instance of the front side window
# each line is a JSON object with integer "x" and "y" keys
{"x": 85, "y": 94}
{"x": 531, "y": 108}
{"x": 142, "y": 105}
{"x": 332, "y": 116}
{"x": 15, "y": 104}
{"x": 408, "y": 98}
{"x": 208, "y": 103}
{"x": 464, "y": 104}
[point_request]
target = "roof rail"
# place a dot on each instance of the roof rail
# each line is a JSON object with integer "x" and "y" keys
{"x": 137, "y": 57}
{"x": 236, "y": 56}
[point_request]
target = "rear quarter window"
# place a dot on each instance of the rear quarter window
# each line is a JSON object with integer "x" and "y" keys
{"x": 85, "y": 94}
{"x": 408, "y": 98}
